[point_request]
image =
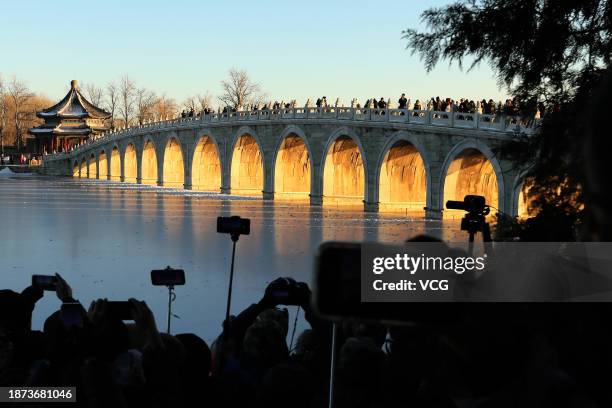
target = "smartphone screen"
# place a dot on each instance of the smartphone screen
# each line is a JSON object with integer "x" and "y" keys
{"x": 121, "y": 310}
{"x": 168, "y": 277}
{"x": 45, "y": 282}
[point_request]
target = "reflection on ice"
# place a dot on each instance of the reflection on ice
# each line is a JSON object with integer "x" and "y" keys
{"x": 105, "y": 237}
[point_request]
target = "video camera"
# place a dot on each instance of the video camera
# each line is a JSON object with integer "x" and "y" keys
{"x": 474, "y": 221}
{"x": 474, "y": 204}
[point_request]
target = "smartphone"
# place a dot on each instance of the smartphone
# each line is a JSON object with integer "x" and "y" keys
{"x": 281, "y": 294}
{"x": 337, "y": 292}
{"x": 121, "y": 310}
{"x": 45, "y": 282}
{"x": 233, "y": 225}
{"x": 167, "y": 277}
{"x": 72, "y": 314}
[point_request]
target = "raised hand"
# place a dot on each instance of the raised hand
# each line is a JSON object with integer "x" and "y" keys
{"x": 62, "y": 289}
{"x": 97, "y": 310}
{"x": 145, "y": 323}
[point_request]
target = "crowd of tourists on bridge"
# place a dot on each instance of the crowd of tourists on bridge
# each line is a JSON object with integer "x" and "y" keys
{"x": 380, "y": 106}
{"x": 462, "y": 105}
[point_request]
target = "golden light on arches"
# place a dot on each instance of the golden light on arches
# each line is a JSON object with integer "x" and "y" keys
{"x": 247, "y": 174}
{"x": 174, "y": 170}
{"x": 206, "y": 166}
{"x": 83, "y": 169}
{"x": 149, "y": 164}
{"x": 525, "y": 203}
{"x": 92, "y": 170}
{"x": 470, "y": 173}
{"x": 76, "y": 170}
{"x": 403, "y": 179}
{"x": 343, "y": 175}
{"x": 129, "y": 164}
{"x": 292, "y": 169}
{"x": 115, "y": 165}
{"x": 102, "y": 166}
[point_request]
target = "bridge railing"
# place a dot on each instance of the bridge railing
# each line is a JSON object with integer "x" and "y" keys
{"x": 461, "y": 120}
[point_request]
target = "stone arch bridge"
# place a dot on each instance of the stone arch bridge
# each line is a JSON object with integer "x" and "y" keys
{"x": 380, "y": 159}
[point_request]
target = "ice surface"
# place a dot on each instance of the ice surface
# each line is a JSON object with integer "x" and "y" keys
{"x": 7, "y": 172}
{"x": 105, "y": 237}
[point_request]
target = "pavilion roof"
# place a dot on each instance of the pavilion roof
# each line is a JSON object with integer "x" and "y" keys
{"x": 73, "y": 106}
{"x": 61, "y": 129}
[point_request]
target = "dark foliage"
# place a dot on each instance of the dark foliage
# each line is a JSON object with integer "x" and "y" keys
{"x": 549, "y": 52}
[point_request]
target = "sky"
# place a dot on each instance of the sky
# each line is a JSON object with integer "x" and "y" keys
{"x": 293, "y": 49}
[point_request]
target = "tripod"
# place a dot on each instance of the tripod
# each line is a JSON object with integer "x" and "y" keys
{"x": 474, "y": 222}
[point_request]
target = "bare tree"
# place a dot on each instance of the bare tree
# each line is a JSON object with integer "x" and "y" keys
{"x": 190, "y": 103}
{"x": 199, "y": 102}
{"x": 238, "y": 90}
{"x": 20, "y": 96}
{"x": 164, "y": 108}
{"x": 127, "y": 92}
{"x": 94, "y": 94}
{"x": 112, "y": 100}
{"x": 145, "y": 100}
{"x": 3, "y": 113}
{"x": 205, "y": 101}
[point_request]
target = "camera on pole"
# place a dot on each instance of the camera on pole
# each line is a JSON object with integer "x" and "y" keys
{"x": 168, "y": 277}
{"x": 235, "y": 226}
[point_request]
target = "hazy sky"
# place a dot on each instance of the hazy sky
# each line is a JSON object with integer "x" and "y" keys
{"x": 294, "y": 49}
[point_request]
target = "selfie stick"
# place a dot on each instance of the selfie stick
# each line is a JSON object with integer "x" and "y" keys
{"x": 171, "y": 298}
{"x": 332, "y": 367}
{"x": 231, "y": 279}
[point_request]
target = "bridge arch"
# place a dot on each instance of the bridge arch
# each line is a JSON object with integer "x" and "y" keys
{"x": 292, "y": 167}
{"x": 471, "y": 168}
{"x": 148, "y": 163}
{"x": 130, "y": 164}
{"x": 403, "y": 174}
{"x": 102, "y": 165}
{"x": 173, "y": 172}
{"x": 372, "y": 141}
{"x": 206, "y": 168}
{"x": 247, "y": 171}
{"x": 344, "y": 169}
{"x": 76, "y": 170}
{"x": 520, "y": 200}
{"x": 115, "y": 164}
{"x": 92, "y": 167}
{"x": 83, "y": 168}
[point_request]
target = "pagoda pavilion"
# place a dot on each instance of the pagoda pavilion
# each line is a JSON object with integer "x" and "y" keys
{"x": 69, "y": 122}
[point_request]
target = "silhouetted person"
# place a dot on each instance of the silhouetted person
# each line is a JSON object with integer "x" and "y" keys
{"x": 402, "y": 102}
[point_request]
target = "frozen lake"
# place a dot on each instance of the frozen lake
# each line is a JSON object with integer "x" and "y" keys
{"x": 104, "y": 238}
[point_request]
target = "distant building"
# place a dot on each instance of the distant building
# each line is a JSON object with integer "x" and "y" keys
{"x": 69, "y": 122}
